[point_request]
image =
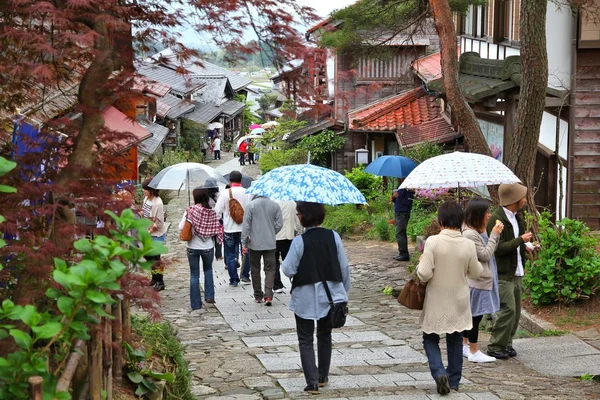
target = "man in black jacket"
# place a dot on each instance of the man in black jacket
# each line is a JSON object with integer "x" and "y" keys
{"x": 403, "y": 200}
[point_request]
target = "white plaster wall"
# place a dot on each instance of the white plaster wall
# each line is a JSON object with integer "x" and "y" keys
{"x": 548, "y": 139}
{"x": 558, "y": 44}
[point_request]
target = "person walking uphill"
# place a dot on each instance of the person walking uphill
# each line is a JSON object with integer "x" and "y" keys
{"x": 448, "y": 258}
{"x": 291, "y": 228}
{"x": 510, "y": 258}
{"x": 316, "y": 255}
{"x": 403, "y": 200}
{"x": 233, "y": 229}
{"x": 152, "y": 208}
{"x": 262, "y": 222}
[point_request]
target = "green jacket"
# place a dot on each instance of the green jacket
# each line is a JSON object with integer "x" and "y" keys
{"x": 506, "y": 256}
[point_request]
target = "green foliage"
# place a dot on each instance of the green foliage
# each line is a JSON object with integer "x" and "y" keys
{"x": 346, "y": 219}
{"x": 387, "y": 290}
{"x": 567, "y": 266}
{"x": 369, "y": 185}
{"x": 420, "y": 218}
{"x": 422, "y": 151}
{"x": 278, "y": 158}
{"x": 81, "y": 292}
{"x": 321, "y": 145}
{"x": 161, "y": 337}
{"x": 5, "y": 167}
{"x": 385, "y": 231}
{"x": 157, "y": 163}
{"x": 138, "y": 370}
{"x": 192, "y": 135}
{"x": 266, "y": 102}
{"x": 248, "y": 117}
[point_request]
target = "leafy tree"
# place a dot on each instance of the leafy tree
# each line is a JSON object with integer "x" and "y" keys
{"x": 192, "y": 135}
{"x": 248, "y": 117}
{"x": 321, "y": 145}
{"x": 265, "y": 102}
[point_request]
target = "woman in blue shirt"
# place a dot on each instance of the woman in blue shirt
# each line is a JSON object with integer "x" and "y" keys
{"x": 317, "y": 253}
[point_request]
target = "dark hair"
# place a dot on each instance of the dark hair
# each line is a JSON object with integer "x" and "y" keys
{"x": 450, "y": 215}
{"x": 153, "y": 192}
{"x": 476, "y": 211}
{"x": 212, "y": 193}
{"x": 235, "y": 177}
{"x": 310, "y": 214}
{"x": 201, "y": 197}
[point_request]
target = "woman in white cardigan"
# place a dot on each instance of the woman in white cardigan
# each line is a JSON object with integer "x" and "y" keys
{"x": 484, "y": 290}
{"x": 448, "y": 258}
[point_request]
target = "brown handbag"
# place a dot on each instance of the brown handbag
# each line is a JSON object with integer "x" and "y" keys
{"x": 413, "y": 294}
{"x": 186, "y": 232}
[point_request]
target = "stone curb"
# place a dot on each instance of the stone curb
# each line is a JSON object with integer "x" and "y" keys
{"x": 534, "y": 324}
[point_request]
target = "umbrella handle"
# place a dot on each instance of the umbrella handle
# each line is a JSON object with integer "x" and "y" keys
{"x": 308, "y": 158}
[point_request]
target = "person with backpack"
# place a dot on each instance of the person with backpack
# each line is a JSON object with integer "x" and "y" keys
{"x": 230, "y": 206}
{"x": 262, "y": 222}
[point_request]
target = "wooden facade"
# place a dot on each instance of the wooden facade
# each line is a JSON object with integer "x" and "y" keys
{"x": 585, "y": 202}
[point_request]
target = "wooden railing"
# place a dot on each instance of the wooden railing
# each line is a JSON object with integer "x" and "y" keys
{"x": 93, "y": 366}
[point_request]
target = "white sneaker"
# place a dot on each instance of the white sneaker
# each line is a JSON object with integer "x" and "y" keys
{"x": 279, "y": 291}
{"x": 479, "y": 357}
{"x": 466, "y": 350}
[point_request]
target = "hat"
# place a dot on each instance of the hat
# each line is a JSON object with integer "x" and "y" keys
{"x": 510, "y": 194}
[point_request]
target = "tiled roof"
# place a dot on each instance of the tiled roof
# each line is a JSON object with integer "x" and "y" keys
{"x": 146, "y": 85}
{"x": 159, "y": 133}
{"x": 232, "y": 107}
{"x": 115, "y": 120}
{"x": 407, "y": 109}
{"x": 204, "y": 113}
{"x": 237, "y": 81}
{"x": 310, "y": 129}
{"x": 428, "y": 67}
{"x": 172, "y": 107}
{"x": 319, "y": 25}
{"x": 438, "y": 130}
{"x": 168, "y": 77}
{"x": 215, "y": 89}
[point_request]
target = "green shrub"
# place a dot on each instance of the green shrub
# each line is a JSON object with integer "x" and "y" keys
{"x": 161, "y": 338}
{"x": 369, "y": 185}
{"x": 383, "y": 229}
{"x": 279, "y": 157}
{"x": 420, "y": 219}
{"x": 321, "y": 145}
{"x": 422, "y": 152}
{"x": 346, "y": 218}
{"x": 567, "y": 266}
{"x": 157, "y": 163}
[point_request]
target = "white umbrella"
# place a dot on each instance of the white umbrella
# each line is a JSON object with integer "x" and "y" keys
{"x": 459, "y": 170}
{"x": 215, "y": 125}
{"x": 188, "y": 173}
{"x": 240, "y": 140}
{"x": 270, "y": 124}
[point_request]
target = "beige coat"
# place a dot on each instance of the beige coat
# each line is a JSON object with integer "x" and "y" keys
{"x": 485, "y": 252}
{"x": 447, "y": 260}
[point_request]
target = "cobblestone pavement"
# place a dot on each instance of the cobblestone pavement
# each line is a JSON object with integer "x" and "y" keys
{"x": 242, "y": 350}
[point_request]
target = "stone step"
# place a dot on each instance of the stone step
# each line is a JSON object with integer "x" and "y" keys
{"x": 347, "y": 357}
{"x": 420, "y": 380}
{"x": 286, "y": 339}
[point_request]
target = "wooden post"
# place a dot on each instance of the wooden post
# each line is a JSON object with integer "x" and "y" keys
{"x": 126, "y": 319}
{"x": 35, "y": 387}
{"x": 107, "y": 355}
{"x": 95, "y": 368}
{"x": 72, "y": 363}
{"x": 117, "y": 337}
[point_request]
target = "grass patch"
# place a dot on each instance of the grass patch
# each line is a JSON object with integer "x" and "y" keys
{"x": 160, "y": 337}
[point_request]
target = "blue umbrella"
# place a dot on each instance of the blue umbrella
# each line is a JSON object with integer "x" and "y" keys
{"x": 305, "y": 182}
{"x": 396, "y": 166}
{"x": 257, "y": 131}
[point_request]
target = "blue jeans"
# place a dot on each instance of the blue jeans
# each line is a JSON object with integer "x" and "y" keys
{"x": 431, "y": 343}
{"x": 231, "y": 244}
{"x": 209, "y": 286}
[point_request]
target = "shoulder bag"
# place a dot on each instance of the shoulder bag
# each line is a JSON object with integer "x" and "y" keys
{"x": 186, "y": 233}
{"x": 337, "y": 311}
{"x": 413, "y": 294}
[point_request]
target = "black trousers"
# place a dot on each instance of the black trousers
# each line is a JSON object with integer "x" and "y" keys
{"x": 305, "y": 328}
{"x": 281, "y": 250}
{"x": 473, "y": 334}
{"x": 401, "y": 219}
{"x": 251, "y": 158}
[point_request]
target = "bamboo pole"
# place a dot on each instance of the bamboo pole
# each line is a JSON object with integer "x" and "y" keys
{"x": 72, "y": 363}
{"x": 126, "y": 316}
{"x": 117, "y": 337}
{"x": 36, "y": 387}
{"x": 95, "y": 368}
{"x": 107, "y": 355}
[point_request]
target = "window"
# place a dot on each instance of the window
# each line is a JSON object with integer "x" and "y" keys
{"x": 473, "y": 22}
{"x": 503, "y": 20}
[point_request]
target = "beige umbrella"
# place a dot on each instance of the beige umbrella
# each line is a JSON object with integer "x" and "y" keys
{"x": 270, "y": 124}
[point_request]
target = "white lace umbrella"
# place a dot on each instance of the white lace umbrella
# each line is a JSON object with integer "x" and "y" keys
{"x": 459, "y": 170}
{"x": 240, "y": 140}
{"x": 189, "y": 174}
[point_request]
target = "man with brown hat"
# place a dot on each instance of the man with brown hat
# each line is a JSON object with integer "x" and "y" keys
{"x": 510, "y": 259}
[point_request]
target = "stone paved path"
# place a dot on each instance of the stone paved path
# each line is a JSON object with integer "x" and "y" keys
{"x": 242, "y": 350}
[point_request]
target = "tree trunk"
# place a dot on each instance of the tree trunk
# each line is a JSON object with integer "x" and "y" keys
{"x": 92, "y": 95}
{"x": 533, "y": 93}
{"x": 449, "y": 59}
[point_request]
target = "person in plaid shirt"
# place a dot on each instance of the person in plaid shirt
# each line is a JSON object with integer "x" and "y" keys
{"x": 205, "y": 225}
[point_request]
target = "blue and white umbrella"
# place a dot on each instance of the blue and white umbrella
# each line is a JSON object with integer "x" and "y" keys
{"x": 306, "y": 182}
{"x": 257, "y": 131}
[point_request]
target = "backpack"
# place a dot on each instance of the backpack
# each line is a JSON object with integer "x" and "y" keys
{"x": 236, "y": 211}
